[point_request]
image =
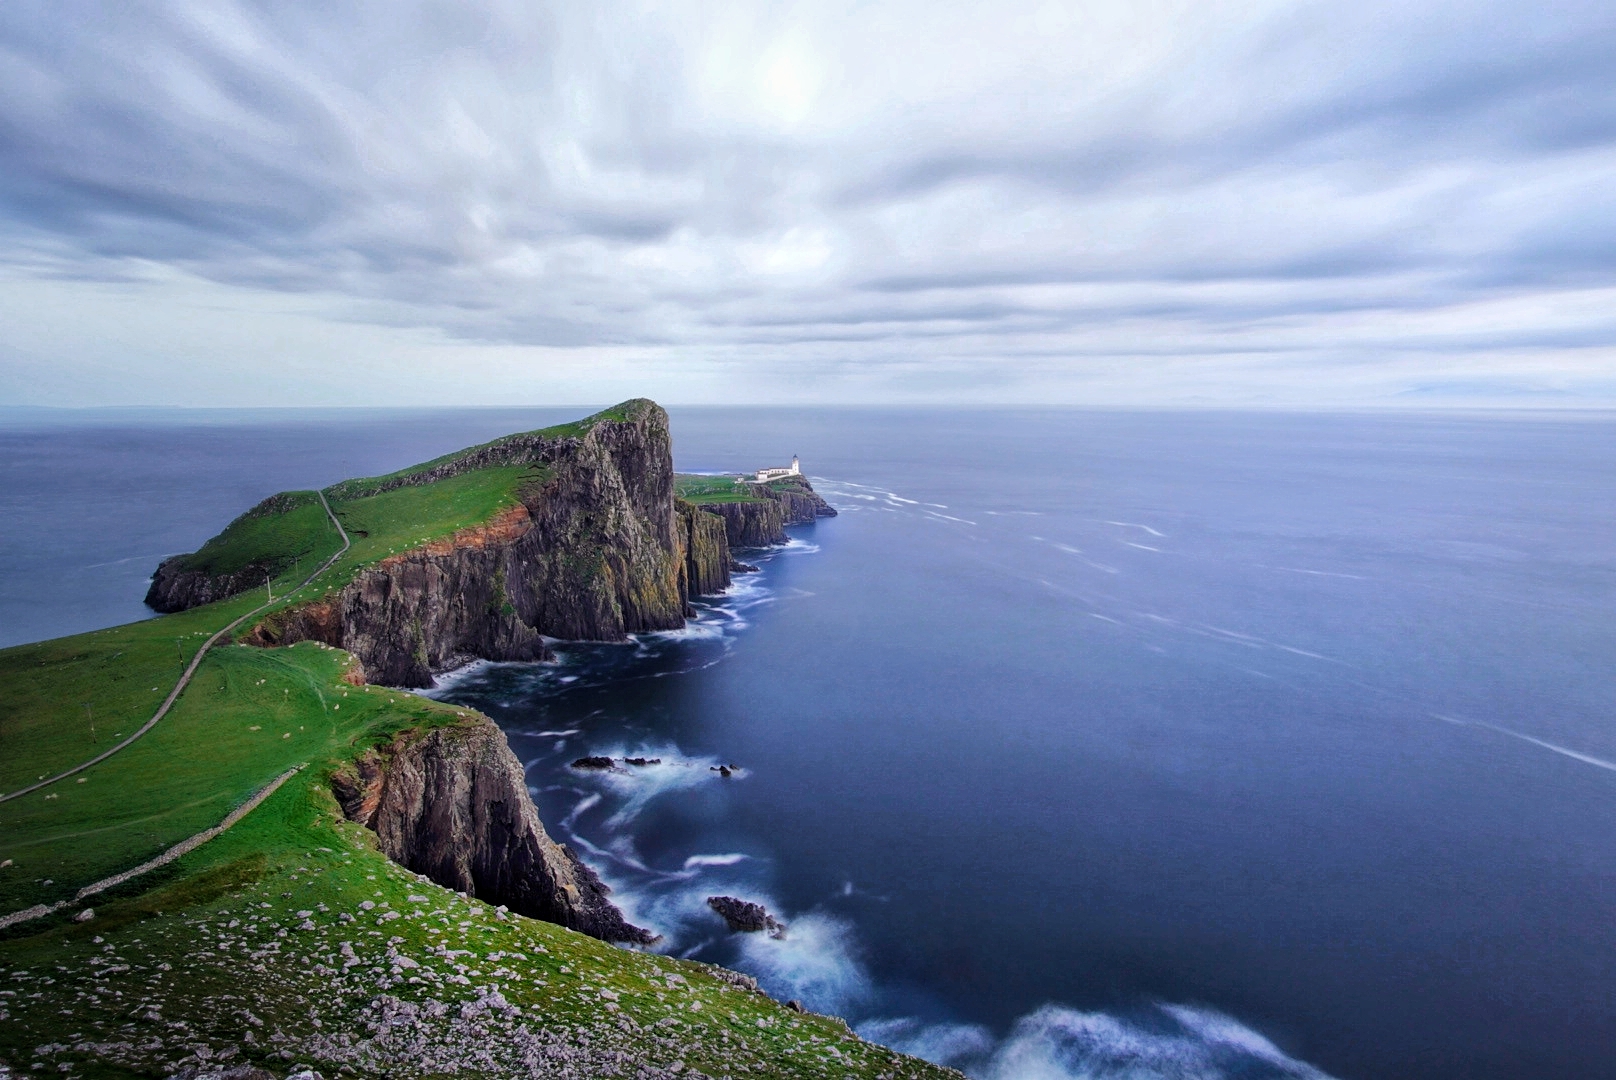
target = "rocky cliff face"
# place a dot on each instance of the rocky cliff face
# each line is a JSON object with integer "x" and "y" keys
{"x": 176, "y": 588}
{"x": 452, "y": 804}
{"x": 761, "y": 522}
{"x": 707, "y": 558}
{"x": 595, "y": 551}
{"x": 757, "y": 523}
{"x": 799, "y": 503}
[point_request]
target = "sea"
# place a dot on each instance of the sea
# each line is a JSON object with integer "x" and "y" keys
{"x": 1180, "y": 745}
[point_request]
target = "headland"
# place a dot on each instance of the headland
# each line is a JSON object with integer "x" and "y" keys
{"x": 340, "y": 877}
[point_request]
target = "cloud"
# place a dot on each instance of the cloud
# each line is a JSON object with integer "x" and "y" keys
{"x": 1048, "y": 198}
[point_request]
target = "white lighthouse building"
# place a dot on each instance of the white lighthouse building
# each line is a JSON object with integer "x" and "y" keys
{"x": 765, "y": 475}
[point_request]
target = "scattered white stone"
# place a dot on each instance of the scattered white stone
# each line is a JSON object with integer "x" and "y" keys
{"x": 85, "y": 916}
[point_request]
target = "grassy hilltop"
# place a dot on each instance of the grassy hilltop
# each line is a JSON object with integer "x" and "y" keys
{"x": 698, "y": 489}
{"x": 290, "y": 939}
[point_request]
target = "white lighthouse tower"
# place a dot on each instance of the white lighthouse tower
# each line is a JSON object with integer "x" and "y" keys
{"x": 763, "y": 476}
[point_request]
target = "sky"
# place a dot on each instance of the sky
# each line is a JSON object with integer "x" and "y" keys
{"x": 1344, "y": 203}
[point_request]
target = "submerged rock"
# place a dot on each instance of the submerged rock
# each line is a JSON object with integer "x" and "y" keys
{"x": 592, "y": 762}
{"x": 745, "y": 917}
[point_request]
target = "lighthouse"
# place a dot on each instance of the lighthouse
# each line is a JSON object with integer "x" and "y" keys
{"x": 763, "y": 476}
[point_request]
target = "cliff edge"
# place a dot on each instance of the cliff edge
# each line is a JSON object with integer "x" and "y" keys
{"x": 452, "y": 803}
{"x": 569, "y": 532}
{"x": 756, "y": 514}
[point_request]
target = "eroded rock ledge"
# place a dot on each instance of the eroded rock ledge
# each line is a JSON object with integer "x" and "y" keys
{"x": 761, "y": 522}
{"x": 452, "y": 803}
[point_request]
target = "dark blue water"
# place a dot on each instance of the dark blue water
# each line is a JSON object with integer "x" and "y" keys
{"x": 1118, "y": 745}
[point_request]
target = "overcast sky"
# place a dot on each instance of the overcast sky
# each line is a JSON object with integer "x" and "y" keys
{"x": 1136, "y": 202}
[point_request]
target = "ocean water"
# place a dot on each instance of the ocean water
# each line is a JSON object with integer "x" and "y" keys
{"x": 1082, "y": 744}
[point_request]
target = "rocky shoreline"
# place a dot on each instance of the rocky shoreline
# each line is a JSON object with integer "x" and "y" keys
{"x": 596, "y": 549}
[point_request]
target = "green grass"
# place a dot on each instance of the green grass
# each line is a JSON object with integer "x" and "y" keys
{"x": 283, "y": 532}
{"x": 249, "y": 715}
{"x": 56, "y": 691}
{"x": 370, "y": 485}
{"x": 214, "y": 944}
{"x": 214, "y": 939}
{"x": 712, "y": 489}
{"x": 407, "y": 517}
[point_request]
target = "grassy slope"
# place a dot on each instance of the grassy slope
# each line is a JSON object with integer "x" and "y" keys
{"x": 248, "y": 715}
{"x": 712, "y": 489}
{"x": 280, "y": 538}
{"x": 83, "y": 989}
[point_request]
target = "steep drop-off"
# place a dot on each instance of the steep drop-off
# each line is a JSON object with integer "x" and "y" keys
{"x": 593, "y": 548}
{"x": 707, "y": 557}
{"x": 761, "y": 520}
{"x": 452, "y": 804}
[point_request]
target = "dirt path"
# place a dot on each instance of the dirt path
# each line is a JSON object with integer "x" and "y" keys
{"x": 196, "y": 662}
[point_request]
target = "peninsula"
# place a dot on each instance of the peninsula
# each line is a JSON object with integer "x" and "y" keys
{"x": 231, "y": 847}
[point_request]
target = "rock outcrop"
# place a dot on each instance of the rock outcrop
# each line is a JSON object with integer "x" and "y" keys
{"x": 761, "y": 521}
{"x": 452, "y": 803}
{"x": 178, "y": 585}
{"x": 595, "y": 551}
{"x": 745, "y": 917}
{"x": 799, "y": 503}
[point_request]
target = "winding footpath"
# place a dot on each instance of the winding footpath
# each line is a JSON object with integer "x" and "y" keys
{"x": 196, "y": 662}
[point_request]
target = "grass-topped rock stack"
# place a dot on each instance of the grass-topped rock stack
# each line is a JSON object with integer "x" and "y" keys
{"x": 754, "y": 514}
{"x": 290, "y": 941}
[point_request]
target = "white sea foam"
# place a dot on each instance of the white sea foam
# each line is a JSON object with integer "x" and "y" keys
{"x": 637, "y": 785}
{"x": 552, "y": 734}
{"x": 728, "y": 859}
{"x": 1313, "y": 573}
{"x": 585, "y": 804}
{"x": 944, "y": 1043}
{"x": 1565, "y": 751}
{"x": 1135, "y": 525}
{"x": 1141, "y": 547}
{"x": 814, "y": 962}
{"x": 1104, "y": 618}
{"x": 1169, "y": 1042}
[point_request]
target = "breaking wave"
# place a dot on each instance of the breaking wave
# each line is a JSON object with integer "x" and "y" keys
{"x": 1163, "y": 1042}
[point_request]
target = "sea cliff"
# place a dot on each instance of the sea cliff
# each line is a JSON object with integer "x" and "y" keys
{"x": 568, "y": 533}
{"x": 759, "y": 518}
{"x": 591, "y": 548}
{"x": 453, "y": 804}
